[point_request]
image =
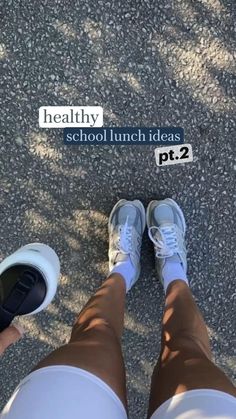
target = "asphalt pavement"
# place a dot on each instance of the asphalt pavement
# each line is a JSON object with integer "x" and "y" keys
{"x": 166, "y": 63}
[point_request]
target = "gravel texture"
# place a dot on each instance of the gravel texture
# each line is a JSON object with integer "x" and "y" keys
{"x": 147, "y": 64}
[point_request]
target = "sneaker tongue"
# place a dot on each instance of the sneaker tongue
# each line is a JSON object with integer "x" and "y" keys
{"x": 158, "y": 234}
{"x": 166, "y": 224}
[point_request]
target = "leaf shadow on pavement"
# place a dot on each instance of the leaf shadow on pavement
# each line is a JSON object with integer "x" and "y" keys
{"x": 147, "y": 66}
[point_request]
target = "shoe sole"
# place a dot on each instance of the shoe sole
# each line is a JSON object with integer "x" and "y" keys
{"x": 172, "y": 203}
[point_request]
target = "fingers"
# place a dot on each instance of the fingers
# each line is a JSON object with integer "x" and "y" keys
{"x": 10, "y": 335}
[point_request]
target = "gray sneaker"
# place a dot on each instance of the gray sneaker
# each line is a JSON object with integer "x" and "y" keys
{"x": 126, "y": 226}
{"x": 166, "y": 229}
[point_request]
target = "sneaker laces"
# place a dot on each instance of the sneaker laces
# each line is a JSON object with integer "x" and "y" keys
{"x": 124, "y": 244}
{"x": 165, "y": 240}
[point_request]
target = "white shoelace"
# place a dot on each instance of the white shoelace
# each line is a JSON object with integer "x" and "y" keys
{"x": 165, "y": 240}
{"x": 124, "y": 244}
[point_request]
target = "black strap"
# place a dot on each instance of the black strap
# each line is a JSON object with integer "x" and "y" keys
{"x": 11, "y": 306}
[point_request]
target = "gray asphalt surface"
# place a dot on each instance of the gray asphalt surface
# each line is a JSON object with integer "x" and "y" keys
{"x": 147, "y": 64}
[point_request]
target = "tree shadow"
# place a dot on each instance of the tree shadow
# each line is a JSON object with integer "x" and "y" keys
{"x": 146, "y": 65}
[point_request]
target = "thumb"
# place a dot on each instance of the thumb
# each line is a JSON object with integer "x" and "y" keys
{"x": 10, "y": 335}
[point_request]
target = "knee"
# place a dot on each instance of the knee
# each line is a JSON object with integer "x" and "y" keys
{"x": 182, "y": 351}
{"x": 185, "y": 343}
{"x": 99, "y": 324}
{"x": 96, "y": 325}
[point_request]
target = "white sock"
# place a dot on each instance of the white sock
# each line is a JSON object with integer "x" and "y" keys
{"x": 171, "y": 271}
{"x": 127, "y": 270}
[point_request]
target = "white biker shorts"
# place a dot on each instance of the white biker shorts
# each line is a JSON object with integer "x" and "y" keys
{"x": 64, "y": 392}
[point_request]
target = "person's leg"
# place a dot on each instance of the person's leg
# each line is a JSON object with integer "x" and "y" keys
{"x": 95, "y": 340}
{"x": 185, "y": 359}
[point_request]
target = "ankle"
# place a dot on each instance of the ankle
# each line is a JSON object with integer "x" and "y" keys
{"x": 176, "y": 286}
{"x": 126, "y": 271}
{"x": 172, "y": 271}
{"x": 116, "y": 280}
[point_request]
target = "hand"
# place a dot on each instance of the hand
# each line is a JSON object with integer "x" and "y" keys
{"x": 10, "y": 335}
